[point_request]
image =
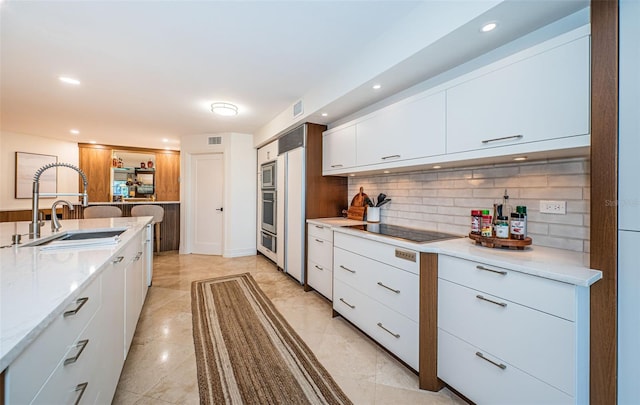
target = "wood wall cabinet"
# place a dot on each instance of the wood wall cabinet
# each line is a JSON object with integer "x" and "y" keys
{"x": 95, "y": 162}
{"x": 168, "y": 176}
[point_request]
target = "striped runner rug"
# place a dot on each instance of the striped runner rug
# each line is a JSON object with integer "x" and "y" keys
{"x": 246, "y": 353}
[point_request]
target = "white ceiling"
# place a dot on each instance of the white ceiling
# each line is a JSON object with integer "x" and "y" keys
{"x": 150, "y": 69}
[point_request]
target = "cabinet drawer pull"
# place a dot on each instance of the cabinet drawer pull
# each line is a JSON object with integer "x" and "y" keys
{"x": 347, "y": 304}
{"x": 138, "y": 256}
{"x": 502, "y": 304}
{"x": 388, "y": 288}
{"x": 499, "y": 365}
{"x": 318, "y": 267}
{"x": 395, "y": 335}
{"x": 319, "y": 241}
{"x": 118, "y": 259}
{"x": 80, "y": 345}
{"x": 338, "y": 165}
{"x": 504, "y": 273}
{"x": 80, "y": 302}
{"x": 504, "y": 138}
{"x": 80, "y": 388}
{"x": 349, "y": 270}
{"x": 319, "y": 226}
{"x": 390, "y": 157}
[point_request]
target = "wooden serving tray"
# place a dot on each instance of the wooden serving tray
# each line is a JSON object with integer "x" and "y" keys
{"x": 491, "y": 242}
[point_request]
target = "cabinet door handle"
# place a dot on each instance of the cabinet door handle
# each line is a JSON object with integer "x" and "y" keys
{"x": 499, "y": 365}
{"x": 504, "y": 138}
{"x": 347, "y": 304}
{"x": 395, "y": 335}
{"x": 80, "y": 302}
{"x": 339, "y": 165}
{"x": 319, "y": 226}
{"x": 138, "y": 256}
{"x": 504, "y": 273}
{"x": 80, "y": 345}
{"x": 118, "y": 259}
{"x": 349, "y": 270}
{"x": 388, "y": 288}
{"x": 80, "y": 388}
{"x": 318, "y": 267}
{"x": 502, "y": 304}
{"x": 390, "y": 157}
{"x": 319, "y": 241}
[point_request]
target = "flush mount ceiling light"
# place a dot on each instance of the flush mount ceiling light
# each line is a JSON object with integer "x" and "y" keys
{"x": 69, "y": 80}
{"x": 225, "y": 109}
{"x": 489, "y": 27}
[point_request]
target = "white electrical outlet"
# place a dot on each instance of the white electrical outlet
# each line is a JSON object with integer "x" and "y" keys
{"x": 553, "y": 207}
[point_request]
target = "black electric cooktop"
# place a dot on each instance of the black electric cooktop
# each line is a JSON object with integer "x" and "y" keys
{"x": 411, "y": 234}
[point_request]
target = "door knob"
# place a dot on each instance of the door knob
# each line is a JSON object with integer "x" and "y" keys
{"x": 220, "y": 209}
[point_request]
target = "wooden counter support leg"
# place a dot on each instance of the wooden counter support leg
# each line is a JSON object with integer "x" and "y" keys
{"x": 156, "y": 232}
{"x": 428, "y": 357}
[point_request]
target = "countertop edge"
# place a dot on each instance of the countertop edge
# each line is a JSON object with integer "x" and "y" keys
{"x": 575, "y": 274}
{"x": 23, "y": 342}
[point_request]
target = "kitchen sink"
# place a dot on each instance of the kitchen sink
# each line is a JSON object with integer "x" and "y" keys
{"x": 79, "y": 238}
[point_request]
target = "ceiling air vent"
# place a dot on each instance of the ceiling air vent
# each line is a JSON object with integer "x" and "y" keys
{"x": 215, "y": 140}
{"x": 297, "y": 109}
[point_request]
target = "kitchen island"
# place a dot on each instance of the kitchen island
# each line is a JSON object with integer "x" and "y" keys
{"x": 69, "y": 312}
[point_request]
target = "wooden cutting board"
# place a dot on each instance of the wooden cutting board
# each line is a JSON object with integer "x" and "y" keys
{"x": 356, "y": 213}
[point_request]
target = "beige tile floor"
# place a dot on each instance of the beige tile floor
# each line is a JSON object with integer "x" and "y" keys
{"x": 161, "y": 368}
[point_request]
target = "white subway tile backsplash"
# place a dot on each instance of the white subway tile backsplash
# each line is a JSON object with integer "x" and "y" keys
{"x": 442, "y": 200}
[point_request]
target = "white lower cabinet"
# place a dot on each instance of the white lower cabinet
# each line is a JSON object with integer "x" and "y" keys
{"x": 320, "y": 259}
{"x": 508, "y": 337}
{"x": 381, "y": 296}
{"x": 79, "y": 357}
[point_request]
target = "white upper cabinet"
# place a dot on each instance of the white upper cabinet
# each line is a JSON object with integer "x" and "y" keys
{"x": 543, "y": 97}
{"x": 405, "y": 130}
{"x": 339, "y": 149}
{"x": 268, "y": 153}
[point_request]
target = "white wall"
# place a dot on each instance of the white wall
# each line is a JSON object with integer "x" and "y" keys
{"x": 10, "y": 143}
{"x": 628, "y": 205}
{"x": 239, "y": 224}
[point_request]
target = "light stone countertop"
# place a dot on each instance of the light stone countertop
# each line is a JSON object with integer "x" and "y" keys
{"x": 556, "y": 264}
{"x": 36, "y": 285}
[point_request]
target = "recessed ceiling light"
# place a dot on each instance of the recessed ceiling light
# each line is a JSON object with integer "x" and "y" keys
{"x": 92, "y": 141}
{"x": 386, "y": 172}
{"x": 69, "y": 80}
{"x": 377, "y": 86}
{"x": 520, "y": 158}
{"x": 225, "y": 109}
{"x": 437, "y": 167}
{"x": 167, "y": 148}
{"x": 74, "y": 131}
{"x": 324, "y": 114}
{"x": 165, "y": 140}
{"x": 489, "y": 27}
{"x": 352, "y": 175}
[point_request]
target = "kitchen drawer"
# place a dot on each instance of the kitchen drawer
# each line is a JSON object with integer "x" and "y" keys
{"x": 395, "y": 288}
{"x": 539, "y": 344}
{"x": 320, "y": 278}
{"x": 381, "y": 252}
{"x": 320, "y": 251}
{"x": 64, "y": 385}
{"x": 49, "y": 348}
{"x": 320, "y": 231}
{"x": 395, "y": 332}
{"x": 549, "y": 296}
{"x": 482, "y": 382}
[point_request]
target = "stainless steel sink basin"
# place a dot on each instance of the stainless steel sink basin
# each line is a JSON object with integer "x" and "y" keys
{"x": 79, "y": 238}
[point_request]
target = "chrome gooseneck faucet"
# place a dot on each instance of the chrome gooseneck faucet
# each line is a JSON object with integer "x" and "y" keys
{"x": 34, "y": 227}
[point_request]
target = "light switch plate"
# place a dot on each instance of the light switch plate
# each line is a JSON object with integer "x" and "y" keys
{"x": 553, "y": 207}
